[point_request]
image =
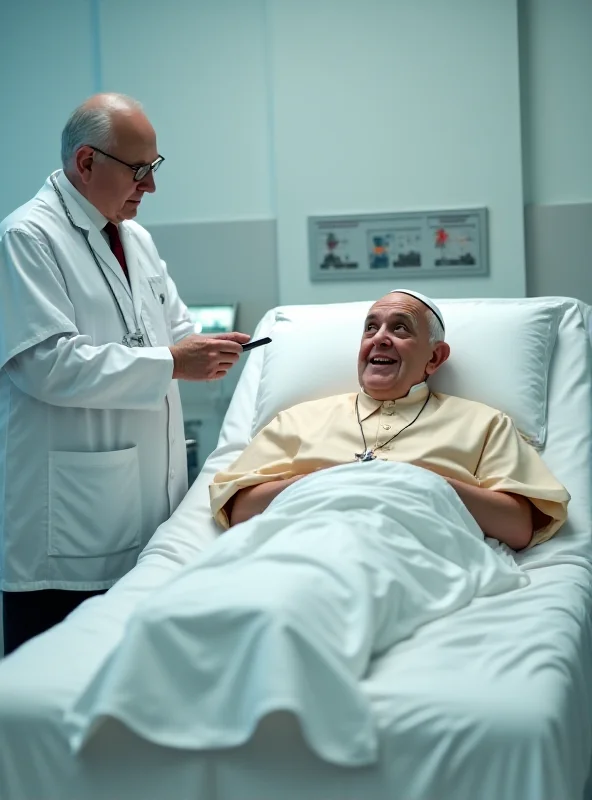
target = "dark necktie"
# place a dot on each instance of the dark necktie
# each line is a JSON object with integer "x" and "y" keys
{"x": 116, "y": 246}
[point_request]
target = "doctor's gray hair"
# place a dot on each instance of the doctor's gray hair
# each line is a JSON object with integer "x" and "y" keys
{"x": 435, "y": 327}
{"x": 91, "y": 124}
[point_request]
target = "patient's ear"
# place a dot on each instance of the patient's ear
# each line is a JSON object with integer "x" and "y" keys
{"x": 439, "y": 356}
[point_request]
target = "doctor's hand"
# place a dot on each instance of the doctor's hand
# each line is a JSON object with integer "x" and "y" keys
{"x": 233, "y": 336}
{"x": 206, "y": 358}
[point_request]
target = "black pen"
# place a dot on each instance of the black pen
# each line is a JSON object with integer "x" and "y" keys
{"x": 256, "y": 343}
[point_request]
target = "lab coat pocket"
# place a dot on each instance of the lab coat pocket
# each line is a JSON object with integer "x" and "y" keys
{"x": 94, "y": 503}
{"x": 155, "y": 311}
{"x": 158, "y": 288}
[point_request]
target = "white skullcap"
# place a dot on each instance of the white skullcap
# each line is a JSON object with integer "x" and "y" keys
{"x": 423, "y": 299}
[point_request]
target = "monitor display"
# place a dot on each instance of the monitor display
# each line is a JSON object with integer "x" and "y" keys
{"x": 213, "y": 319}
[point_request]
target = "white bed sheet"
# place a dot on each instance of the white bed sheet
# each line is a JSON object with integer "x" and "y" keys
{"x": 492, "y": 702}
{"x": 488, "y": 704}
{"x": 288, "y": 610}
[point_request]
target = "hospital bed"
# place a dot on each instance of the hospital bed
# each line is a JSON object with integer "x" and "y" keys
{"x": 493, "y": 702}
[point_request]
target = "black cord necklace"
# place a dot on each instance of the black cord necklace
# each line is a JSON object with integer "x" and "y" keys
{"x": 368, "y": 454}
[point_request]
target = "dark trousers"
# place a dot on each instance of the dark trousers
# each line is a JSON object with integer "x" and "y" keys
{"x": 27, "y": 614}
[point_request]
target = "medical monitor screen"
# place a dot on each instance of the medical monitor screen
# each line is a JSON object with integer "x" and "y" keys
{"x": 213, "y": 319}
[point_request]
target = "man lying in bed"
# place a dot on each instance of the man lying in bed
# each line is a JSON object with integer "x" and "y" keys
{"x": 499, "y": 477}
{"x": 287, "y": 611}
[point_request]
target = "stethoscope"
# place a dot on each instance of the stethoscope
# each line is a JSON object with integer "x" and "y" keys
{"x": 130, "y": 339}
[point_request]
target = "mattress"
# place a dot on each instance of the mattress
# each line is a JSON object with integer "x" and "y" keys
{"x": 493, "y": 702}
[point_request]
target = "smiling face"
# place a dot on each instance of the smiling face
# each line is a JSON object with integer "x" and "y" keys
{"x": 395, "y": 351}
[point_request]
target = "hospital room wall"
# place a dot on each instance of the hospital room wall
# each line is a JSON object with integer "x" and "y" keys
{"x": 273, "y": 110}
{"x": 200, "y": 69}
{"x": 395, "y": 106}
{"x": 556, "y": 99}
{"x": 46, "y": 68}
{"x": 270, "y": 110}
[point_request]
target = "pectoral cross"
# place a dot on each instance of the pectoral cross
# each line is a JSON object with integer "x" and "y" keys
{"x": 367, "y": 455}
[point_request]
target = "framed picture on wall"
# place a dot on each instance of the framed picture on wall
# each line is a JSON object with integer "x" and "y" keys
{"x": 419, "y": 244}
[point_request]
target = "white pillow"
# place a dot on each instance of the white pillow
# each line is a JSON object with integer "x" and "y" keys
{"x": 500, "y": 355}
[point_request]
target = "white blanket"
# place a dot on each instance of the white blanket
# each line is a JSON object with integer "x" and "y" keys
{"x": 285, "y": 612}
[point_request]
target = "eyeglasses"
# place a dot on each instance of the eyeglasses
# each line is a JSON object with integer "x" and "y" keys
{"x": 140, "y": 170}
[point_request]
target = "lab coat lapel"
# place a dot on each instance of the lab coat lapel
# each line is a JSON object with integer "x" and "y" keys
{"x": 95, "y": 237}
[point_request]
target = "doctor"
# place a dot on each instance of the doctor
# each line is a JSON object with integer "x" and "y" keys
{"x": 93, "y": 337}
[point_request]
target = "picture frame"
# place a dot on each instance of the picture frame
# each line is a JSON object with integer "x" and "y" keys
{"x": 408, "y": 244}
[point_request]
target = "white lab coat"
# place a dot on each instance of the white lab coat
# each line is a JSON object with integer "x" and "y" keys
{"x": 92, "y": 449}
